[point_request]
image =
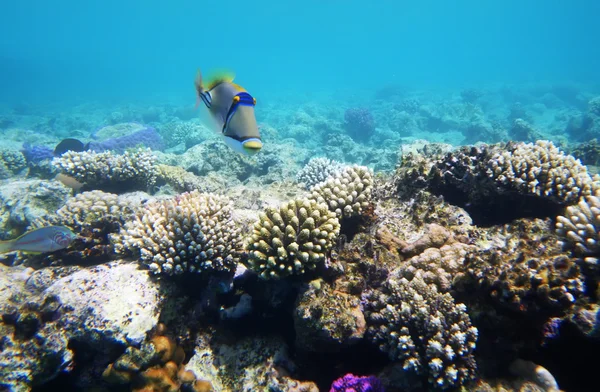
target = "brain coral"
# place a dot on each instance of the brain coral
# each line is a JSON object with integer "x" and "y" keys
{"x": 424, "y": 329}
{"x": 192, "y": 232}
{"x": 292, "y": 238}
{"x": 346, "y": 193}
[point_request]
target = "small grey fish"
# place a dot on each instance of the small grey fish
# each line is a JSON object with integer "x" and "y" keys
{"x": 42, "y": 240}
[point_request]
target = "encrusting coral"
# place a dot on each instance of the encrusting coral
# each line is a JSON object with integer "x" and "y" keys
{"x": 347, "y": 193}
{"x": 291, "y": 239}
{"x": 426, "y": 330}
{"x": 318, "y": 170}
{"x": 192, "y": 232}
{"x": 155, "y": 367}
{"x": 110, "y": 172}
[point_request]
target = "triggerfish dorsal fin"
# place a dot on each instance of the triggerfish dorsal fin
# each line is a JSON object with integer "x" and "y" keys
{"x": 217, "y": 78}
{"x": 238, "y": 87}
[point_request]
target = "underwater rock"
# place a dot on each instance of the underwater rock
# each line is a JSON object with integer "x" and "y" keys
{"x": 326, "y": 320}
{"x": 245, "y": 364}
{"x": 23, "y": 202}
{"x": 146, "y": 137}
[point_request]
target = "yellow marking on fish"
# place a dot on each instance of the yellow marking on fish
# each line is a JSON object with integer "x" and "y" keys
{"x": 238, "y": 87}
{"x": 219, "y": 77}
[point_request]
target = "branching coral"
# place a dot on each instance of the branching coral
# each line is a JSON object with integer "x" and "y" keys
{"x": 424, "y": 329}
{"x": 318, "y": 170}
{"x": 92, "y": 210}
{"x": 347, "y": 193}
{"x": 580, "y": 226}
{"x": 292, "y": 239}
{"x": 107, "y": 171}
{"x": 192, "y": 232}
{"x": 541, "y": 169}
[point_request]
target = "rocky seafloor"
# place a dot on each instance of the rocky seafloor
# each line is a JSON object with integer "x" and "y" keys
{"x": 427, "y": 267}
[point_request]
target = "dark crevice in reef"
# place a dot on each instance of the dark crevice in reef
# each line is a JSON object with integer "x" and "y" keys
{"x": 572, "y": 359}
{"x": 499, "y": 209}
{"x": 362, "y": 358}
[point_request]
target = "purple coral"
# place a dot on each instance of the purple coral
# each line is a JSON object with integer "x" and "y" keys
{"x": 148, "y": 137}
{"x": 359, "y": 123}
{"x": 36, "y": 154}
{"x": 352, "y": 383}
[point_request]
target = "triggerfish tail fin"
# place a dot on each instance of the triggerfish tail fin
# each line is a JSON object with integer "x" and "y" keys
{"x": 6, "y": 246}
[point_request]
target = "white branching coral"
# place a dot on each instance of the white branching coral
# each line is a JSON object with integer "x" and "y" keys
{"x": 93, "y": 209}
{"x": 291, "y": 239}
{"x": 426, "y": 330}
{"x": 580, "y": 226}
{"x": 318, "y": 170}
{"x": 192, "y": 232}
{"x": 541, "y": 169}
{"x": 346, "y": 193}
{"x": 108, "y": 171}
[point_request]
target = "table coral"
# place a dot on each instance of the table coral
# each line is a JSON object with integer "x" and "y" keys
{"x": 291, "y": 239}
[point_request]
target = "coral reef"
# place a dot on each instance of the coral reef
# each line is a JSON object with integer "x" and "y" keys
{"x": 180, "y": 179}
{"x": 46, "y": 312}
{"x": 246, "y": 364}
{"x": 36, "y": 154}
{"x": 579, "y": 226}
{"x": 424, "y": 329}
{"x": 327, "y": 320}
{"x": 359, "y": 123}
{"x": 192, "y": 232}
{"x": 155, "y": 366}
{"x": 147, "y": 137}
{"x": 317, "y": 170}
{"x": 347, "y": 193}
{"x": 291, "y": 239}
{"x": 352, "y": 383}
{"x": 23, "y": 202}
{"x": 529, "y": 274}
{"x": 133, "y": 170}
{"x": 541, "y": 169}
{"x": 11, "y": 162}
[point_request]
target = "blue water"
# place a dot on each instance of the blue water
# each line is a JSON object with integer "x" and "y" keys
{"x": 144, "y": 50}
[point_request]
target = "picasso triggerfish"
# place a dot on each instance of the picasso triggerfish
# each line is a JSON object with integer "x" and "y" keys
{"x": 233, "y": 109}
